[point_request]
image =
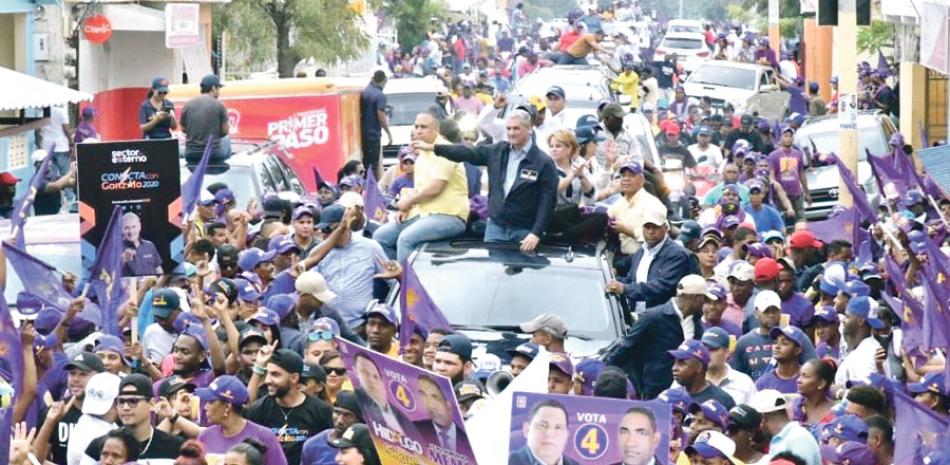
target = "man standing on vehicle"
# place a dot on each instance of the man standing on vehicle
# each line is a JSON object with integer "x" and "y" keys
{"x": 373, "y": 120}
{"x": 619, "y": 142}
{"x": 787, "y": 165}
{"x": 627, "y": 214}
{"x": 546, "y": 331}
{"x": 437, "y": 208}
{"x": 556, "y": 117}
{"x": 577, "y": 53}
{"x": 205, "y": 116}
{"x": 747, "y": 132}
{"x": 523, "y": 182}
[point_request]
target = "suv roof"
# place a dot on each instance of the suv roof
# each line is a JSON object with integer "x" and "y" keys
{"x": 508, "y": 253}
{"x": 731, "y": 64}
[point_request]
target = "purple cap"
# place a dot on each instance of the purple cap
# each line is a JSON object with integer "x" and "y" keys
{"x": 266, "y": 316}
{"x": 791, "y": 332}
{"x": 716, "y": 291}
{"x": 632, "y": 167}
{"x": 760, "y": 250}
{"x": 848, "y": 453}
{"x": 730, "y": 221}
{"x": 755, "y": 183}
{"x": 351, "y": 181}
{"x": 845, "y": 428}
{"x": 44, "y": 342}
{"x": 932, "y": 382}
{"x": 382, "y": 309}
{"x": 326, "y": 324}
{"x": 110, "y": 343}
{"x": 197, "y": 332}
{"x": 304, "y": 210}
{"x": 28, "y": 304}
{"x": 713, "y": 411}
{"x": 826, "y": 313}
{"x": 586, "y": 373}
{"x": 224, "y": 196}
{"x": 281, "y": 304}
{"x": 282, "y": 244}
{"x": 913, "y": 197}
{"x": 855, "y": 288}
{"x": 250, "y": 258}
{"x": 225, "y": 388}
{"x": 46, "y": 320}
{"x": 677, "y": 398}
{"x": 563, "y": 363}
{"x": 247, "y": 291}
{"x": 691, "y": 349}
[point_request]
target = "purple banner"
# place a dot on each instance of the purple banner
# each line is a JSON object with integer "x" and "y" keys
{"x": 588, "y": 430}
{"x": 411, "y": 413}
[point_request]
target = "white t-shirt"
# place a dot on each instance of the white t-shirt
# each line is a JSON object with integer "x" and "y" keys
{"x": 157, "y": 343}
{"x": 54, "y": 139}
{"x": 859, "y": 363}
{"x": 712, "y": 156}
{"x": 87, "y": 428}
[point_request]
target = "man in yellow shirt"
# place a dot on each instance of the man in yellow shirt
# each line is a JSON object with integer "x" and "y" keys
{"x": 627, "y": 214}
{"x": 577, "y": 53}
{"x": 437, "y": 208}
{"x": 628, "y": 82}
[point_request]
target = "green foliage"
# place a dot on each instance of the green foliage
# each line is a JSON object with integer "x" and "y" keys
{"x": 880, "y": 34}
{"x": 412, "y": 19}
{"x": 250, "y": 42}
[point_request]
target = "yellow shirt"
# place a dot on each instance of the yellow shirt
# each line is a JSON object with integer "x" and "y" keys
{"x": 630, "y": 214}
{"x": 628, "y": 83}
{"x": 582, "y": 46}
{"x": 453, "y": 200}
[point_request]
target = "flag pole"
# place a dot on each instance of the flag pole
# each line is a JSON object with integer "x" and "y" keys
{"x": 133, "y": 296}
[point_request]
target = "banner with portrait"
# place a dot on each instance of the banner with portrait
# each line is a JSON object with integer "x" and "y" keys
{"x": 411, "y": 413}
{"x": 143, "y": 177}
{"x": 580, "y": 430}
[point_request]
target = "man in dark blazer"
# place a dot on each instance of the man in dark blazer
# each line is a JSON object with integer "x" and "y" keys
{"x": 638, "y": 437}
{"x": 371, "y": 393}
{"x": 643, "y": 352}
{"x": 656, "y": 268}
{"x": 439, "y": 430}
{"x": 546, "y": 434}
{"x": 522, "y": 182}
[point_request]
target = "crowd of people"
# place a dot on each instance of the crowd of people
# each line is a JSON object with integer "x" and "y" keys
{"x": 771, "y": 345}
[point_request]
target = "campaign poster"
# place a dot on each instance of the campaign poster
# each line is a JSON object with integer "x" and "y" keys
{"x": 578, "y": 430}
{"x": 411, "y": 413}
{"x": 142, "y": 177}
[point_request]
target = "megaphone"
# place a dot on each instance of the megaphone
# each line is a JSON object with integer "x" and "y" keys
{"x": 497, "y": 382}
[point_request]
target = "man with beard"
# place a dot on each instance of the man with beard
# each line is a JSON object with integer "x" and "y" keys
{"x": 62, "y": 416}
{"x": 860, "y": 317}
{"x": 346, "y": 412}
{"x": 619, "y": 143}
{"x": 191, "y": 356}
{"x": 290, "y": 414}
{"x": 453, "y": 358}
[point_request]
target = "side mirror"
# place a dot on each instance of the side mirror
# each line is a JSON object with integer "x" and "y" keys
{"x": 625, "y": 100}
{"x": 388, "y": 110}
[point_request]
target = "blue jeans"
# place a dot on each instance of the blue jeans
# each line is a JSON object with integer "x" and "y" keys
{"x": 497, "y": 233}
{"x": 59, "y": 166}
{"x": 400, "y": 239}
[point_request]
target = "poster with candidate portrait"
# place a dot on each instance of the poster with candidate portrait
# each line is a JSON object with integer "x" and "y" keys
{"x": 579, "y": 430}
{"x": 411, "y": 413}
{"x": 142, "y": 177}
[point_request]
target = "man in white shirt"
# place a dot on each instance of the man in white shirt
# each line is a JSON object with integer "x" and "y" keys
{"x": 159, "y": 337}
{"x": 861, "y": 316}
{"x": 98, "y": 416}
{"x": 736, "y": 383}
{"x": 556, "y": 117}
{"x": 58, "y": 140}
{"x": 785, "y": 435}
{"x": 703, "y": 152}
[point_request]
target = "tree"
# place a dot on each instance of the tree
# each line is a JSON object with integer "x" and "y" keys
{"x": 548, "y": 9}
{"x": 880, "y": 34}
{"x": 412, "y": 18}
{"x": 328, "y": 30}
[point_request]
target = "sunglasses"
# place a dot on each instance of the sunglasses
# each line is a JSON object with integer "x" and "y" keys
{"x": 335, "y": 371}
{"x": 315, "y": 336}
{"x": 130, "y": 401}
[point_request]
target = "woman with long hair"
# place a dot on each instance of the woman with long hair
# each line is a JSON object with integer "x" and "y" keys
{"x": 813, "y": 407}
{"x": 332, "y": 363}
{"x": 157, "y": 114}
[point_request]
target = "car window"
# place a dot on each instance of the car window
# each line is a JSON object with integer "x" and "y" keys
{"x": 724, "y": 76}
{"x": 292, "y": 180}
{"x": 497, "y": 295}
{"x": 870, "y": 138}
{"x": 764, "y": 80}
{"x": 406, "y": 106}
{"x": 267, "y": 181}
{"x": 682, "y": 43}
{"x": 239, "y": 179}
{"x": 276, "y": 174}
{"x": 681, "y": 28}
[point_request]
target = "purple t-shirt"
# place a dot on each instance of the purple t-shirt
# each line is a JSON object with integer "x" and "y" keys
{"x": 84, "y": 130}
{"x": 770, "y": 380}
{"x": 727, "y": 326}
{"x": 317, "y": 450}
{"x": 216, "y": 445}
{"x": 799, "y": 309}
{"x": 824, "y": 350}
{"x": 399, "y": 184}
{"x": 787, "y": 164}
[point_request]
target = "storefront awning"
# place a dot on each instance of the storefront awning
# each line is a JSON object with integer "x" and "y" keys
{"x": 22, "y": 91}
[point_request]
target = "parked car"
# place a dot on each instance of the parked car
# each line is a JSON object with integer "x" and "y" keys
{"x": 584, "y": 87}
{"x": 748, "y": 87}
{"x": 51, "y": 238}
{"x": 251, "y": 173}
{"x": 406, "y": 98}
{"x": 486, "y": 289}
{"x": 689, "y": 47}
{"x": 874, "y": 131}
{"x": 691, "y": 26}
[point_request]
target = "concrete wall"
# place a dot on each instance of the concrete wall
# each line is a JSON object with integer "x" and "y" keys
{"x": 128, "y": 59}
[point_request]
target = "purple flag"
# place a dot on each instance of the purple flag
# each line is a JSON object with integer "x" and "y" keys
{"x": 839, "y": 227}
{"x": 318, "y": 178}
{"x": 191, "y": 189}
{"x": 106, "y": 273}
{"x": 42, "y": 281}
{"x": 924, "y": 137}
{"x": 11, "y": 370}
{"x": 911, "y": 312}
{"x": 917, "y": 430}
{"x": 882, "y": 65}
{"x": 858, "y": 196}
{"x": 936, "y": 327}
{"x": 419, "y": 313}
{"x": 22, "y": 209}
{"x": 373, "y": 200}
{"x": 890, "y": 182}
{"x": 796, "y": 102}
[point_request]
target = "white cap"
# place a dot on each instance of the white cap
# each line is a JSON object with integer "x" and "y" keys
{"x": 718, "y": 441}
{"x": 691, "y": 284}
{"x": 350, "y": 199}
{"x": 101, "y": 391}
{"x": 767, "y": 298}
{"x": 742, "y": 271}
{"x": 38, "y": 156}
{"x": 313, "y": 283}
{"x": 655, "y": 216}
{"x": 768, "y": 400}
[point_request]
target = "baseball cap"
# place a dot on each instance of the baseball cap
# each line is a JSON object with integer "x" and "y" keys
{"x": 772, "y": 235}
{"x": 766, "y": 299}
{"x": 691, "y": 284}
{"x": 743, "y": 416}
{"x": 632, "y": 167}
{"x": 585, "y": 134}
{"x": 357, "y": 435}
{"x": 709, "y": 238}
{"x": 382, "y": 309}
{"x": 551, "y": 324}
{"x": 266, "y": 316}
{"x": 174, "y": 384}
{"x": 865, "y": 307}
{"x": 289, "y": 360}
{"x": 353, "y": 180}
{"x": 101, "y": 391}
{"x": 224, "y": 196}
{"x": 457, "y": 344}
{"x": 205, "y": 198}
{"x": 791, "y": 332}
{"x": 314, "y": 371}
{"x": 226, "y": 388}
{"x": 766, "y": 269}
{"x": 586, "y": 372}
{"x": 563, "y": 363}
{"x": 527, "y": 350}
{"x": 677, "y": 398}
{"x": 826, "y": 313}
{"x": 160, "y": 84}
{"x": 281, "y": 304}
{"x": 703, "y": 131}
{"x": 747, "y": 120}
{"x": 468, "y": 390}
{"x": 326, "y": 324}
{"x": 46, "y": 320}
{"x": 227, "y": 255}
{"x": 759, "y": 250}
{"x": 730, "y": 221}
{"x": 691, "y": 349}
{"x": 8, "y": 178}
{"x": 803, "y": 239}
{"x": 846, "y": 428}
{"x": 587, "y": 120}
{"x": 715, "y": 338}
{"x": 711, "y": 443}
{"x": 164, "y": 302}
{"x": 347, "y": 400}
{"x": 110, "y": 343}
{"x": 850, "y": 453}
{"x": 250, "y": 258}
{"x": 247, "y": 291}
{"x": 313, "y": 283}
{"x": 141, "y": 385}
{"x": 713, "y": 411}
{"x": 932, "y": 382}
{"x": 210, "y": 81}
{"x": 742, "y": 271}
{"x": 672, "y": 130}
{"x": 655, "y": 216}
{"x": 690, "y": 230}
{"x": 85, "y": 361}
{"x": 556, "y": 90}
{"x": 768, "y": 401}
{"x": 855, "y": 288}
{"x": 330, "y": 216}
{"x": 304, "y": 210}
{"x": 646, "y": 108}
{"x": 224, "y": 286}
{"x": 249, "y": 334}
{"x": 716, "y": 291}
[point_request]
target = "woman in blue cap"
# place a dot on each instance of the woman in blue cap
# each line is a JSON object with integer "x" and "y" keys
{"x": 157, "y": 114}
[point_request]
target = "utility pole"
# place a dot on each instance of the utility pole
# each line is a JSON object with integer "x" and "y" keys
{"x": 680, "y": 15}
{"x": 847, "y": 86}
{"x": 775, "y": 35}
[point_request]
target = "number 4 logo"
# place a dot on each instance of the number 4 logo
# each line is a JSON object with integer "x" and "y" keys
{"x": 591, "y": 441}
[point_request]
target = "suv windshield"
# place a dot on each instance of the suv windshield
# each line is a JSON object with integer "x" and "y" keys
{"x": 407, "y": 106}
{"x": 870, "y": 138}
{"x": 724, "y": 76}
{"x": 682, "y": 43}
{"x": 499, "y": 295}
{"x": 240, "y": 179}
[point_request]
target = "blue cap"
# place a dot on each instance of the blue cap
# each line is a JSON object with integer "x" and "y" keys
{"x": 282, "y": 244}
{"x": 586, "y": 120}
{"x": 827, "y": 286}
{"x": 826, "y": 313}
{"x": 865, "y": 307}
{"x": 164, "y": 302}
{"x": 792, "y": 332}
{"x": 716, "y": 291}
{"x": 677, "y": 398}
{"x": 585, "y": 134}
{"x": 556, "y": 90}
{"x": 326, "y": 324}
{"x": 932, "y": 382}
{"x": 47, "y": 319}
{"x": 759, "y": 250}
{"x": 690, "y": 230}
{"x": 223, "y": 196}
{"x": 632, "y": 167}
{"x": 28, "y": 304}
{"x": 691, "y": 349}
{"x": 848, "y": 452}
{"x": 351, "y": 181}
{"x": 198, "y": 332}
{"x": 281, "y": 304}
{"x": 913, "y": 197}
{"x": 160, "y": 84}
{"x": 458, "y": 344}
{"x": 855, "y": 288}
{"x": 382, "y": 309}
{"x": 250, "y": 258}
{"x": 528, "y": 350}
{"x": 210, "y": 81}
{"x": 586, "y": 372}
{"x": 846, "y": 428}
{"x": 713, "y": 411}
{"x": 267, "y": 317}
{"x": 703, "y": 131}
{"x": 715, "y": 338}
{"x": 225, "y": 388}
{"x": 247, "y": 291}
{"x": 330, "y": 216}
